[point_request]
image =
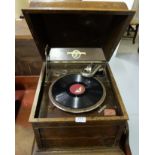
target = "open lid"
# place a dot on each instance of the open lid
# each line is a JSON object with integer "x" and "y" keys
{"x": 78, "y": 24}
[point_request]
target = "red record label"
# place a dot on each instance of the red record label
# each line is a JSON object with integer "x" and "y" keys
{"x": 77, "y": 89}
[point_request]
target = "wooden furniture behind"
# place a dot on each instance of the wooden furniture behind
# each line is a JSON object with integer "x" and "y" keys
{"x": 27, "y": 58}
{"x": 133, "y": 27}
{"x": 132, "y": 30}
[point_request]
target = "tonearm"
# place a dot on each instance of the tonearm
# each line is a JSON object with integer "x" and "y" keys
{"x": 90, "y": 70}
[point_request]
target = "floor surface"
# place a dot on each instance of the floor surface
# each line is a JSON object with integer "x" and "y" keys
{"x": 23, "y": 129}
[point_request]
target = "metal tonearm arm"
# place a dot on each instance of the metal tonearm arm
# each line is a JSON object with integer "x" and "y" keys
{"x": 90, "y": 71}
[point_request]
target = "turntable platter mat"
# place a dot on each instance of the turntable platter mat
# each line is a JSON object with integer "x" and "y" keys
{"x": 75, "y": 93}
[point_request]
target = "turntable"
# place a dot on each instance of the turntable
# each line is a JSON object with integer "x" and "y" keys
{"x": 77, "y": 102}
{"x": 76, "y": 93}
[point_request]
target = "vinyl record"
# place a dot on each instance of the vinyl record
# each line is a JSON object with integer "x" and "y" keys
{"x": 75, "y": 93}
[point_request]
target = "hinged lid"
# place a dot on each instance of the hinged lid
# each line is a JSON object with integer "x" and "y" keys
{"x": 78, "y": 24}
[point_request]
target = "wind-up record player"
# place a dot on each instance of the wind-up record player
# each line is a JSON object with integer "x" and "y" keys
{"x": 77, "y": 103}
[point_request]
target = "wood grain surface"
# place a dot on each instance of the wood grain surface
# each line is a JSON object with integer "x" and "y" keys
{"x": 27, "y": 58}
{"x": 78, "y": 24}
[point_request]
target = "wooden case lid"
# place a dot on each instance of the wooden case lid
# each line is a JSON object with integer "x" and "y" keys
{"x": 78, "y": 24}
